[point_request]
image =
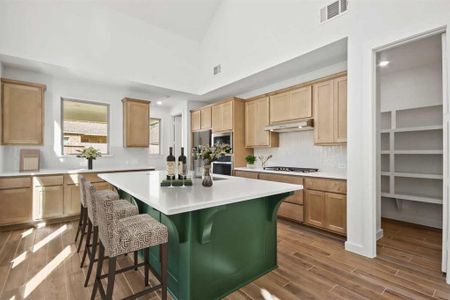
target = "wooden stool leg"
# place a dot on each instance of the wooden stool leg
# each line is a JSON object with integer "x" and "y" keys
{"x": 92, "y": 257}
{"x": 111, "y": 277}
{"x": 88, "y": 241}
{"x": 80, "y": 222}
{"x": 83, "y": 230}
{"x": 135, "y": 260}
{"x": 146, "y": 265}
{"x": 101, "y": 256}
{"x": 163, "y": 253}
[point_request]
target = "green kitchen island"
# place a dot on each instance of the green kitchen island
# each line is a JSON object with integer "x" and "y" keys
{"x": 220, "y": 238}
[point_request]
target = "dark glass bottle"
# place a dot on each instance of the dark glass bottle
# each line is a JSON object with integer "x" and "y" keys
{"x": 182, "y": 165}
{"x": 170, "y": 165}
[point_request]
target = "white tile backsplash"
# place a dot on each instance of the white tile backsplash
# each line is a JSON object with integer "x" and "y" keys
{"x": 297, "y": 149}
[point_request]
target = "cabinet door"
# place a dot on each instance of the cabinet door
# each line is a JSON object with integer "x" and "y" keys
{"x": 136, "y": 123}
{"x": 323, "y": 112}
{"x": 336, "y": 212}
{"x": 250, "y": 123}
{"x": 16, "y": 205}
{"x": 279, "y": 107}
{"x": 205, "y": 118}
{"x": 301, "y": 103}
{"x": 227, "y": 115}
{"x": 23, "y": 111}
{"x": 195, "y": 120}
{"x": 71, "y": 200}
{"x": 217, "y": 117}
{"x": 262, "y": 137}
{"x": 315, "y": 208}
{"x": 340, "y": 110}
{"x": 50, "y": 201}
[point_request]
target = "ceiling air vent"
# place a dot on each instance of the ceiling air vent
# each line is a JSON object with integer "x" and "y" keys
{"x": 333, "y": 10}
{"x": 217, "y": 69}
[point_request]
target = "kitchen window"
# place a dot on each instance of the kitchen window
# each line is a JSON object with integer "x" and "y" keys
{"x": 84, "y": 124}
{"x": 155, "y": 136}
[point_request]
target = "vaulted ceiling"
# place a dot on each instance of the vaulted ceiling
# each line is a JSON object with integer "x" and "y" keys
{"x": 188, "y": 18}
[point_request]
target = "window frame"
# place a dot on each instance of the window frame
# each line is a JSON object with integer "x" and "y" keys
{"x": 160, "y": 138}
{"x": 108, "y": 127}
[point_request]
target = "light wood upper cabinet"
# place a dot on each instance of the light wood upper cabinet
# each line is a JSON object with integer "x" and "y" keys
{"x": 340, "y": 110}
{"x": 22, "y": 109}
{"x": 136, "y": 122}
{"x": 330, "y": 111}
{"x": 205, "y": 118}
{"x": 201, "y": 119}
{"x": 256, "y": 119}
{"x": 291, "y": 105}
{"x": 195, "y": 120}
{"x": 222, "y": 116}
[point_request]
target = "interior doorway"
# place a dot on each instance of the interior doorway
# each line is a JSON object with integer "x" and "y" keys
{"x": 412, "y": 150}
{"x": 177, "y": 134}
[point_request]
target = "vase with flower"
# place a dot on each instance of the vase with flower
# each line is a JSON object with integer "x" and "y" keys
{"x": 90, "y": 154}
{"x": 209, "y": 155}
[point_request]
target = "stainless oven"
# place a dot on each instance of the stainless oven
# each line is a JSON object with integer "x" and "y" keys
{"x": 222, "y": 138}
{"x": 223, "y": 166}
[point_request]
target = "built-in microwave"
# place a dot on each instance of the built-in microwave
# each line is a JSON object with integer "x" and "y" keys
{"x": 222, "y": 168}
{"x": 222, "y": 138}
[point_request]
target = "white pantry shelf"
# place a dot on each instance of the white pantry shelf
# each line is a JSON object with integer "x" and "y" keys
{"x": 413, "y": 198}
{"x": 411, "y": 129}
{"x": 413, "y": 175}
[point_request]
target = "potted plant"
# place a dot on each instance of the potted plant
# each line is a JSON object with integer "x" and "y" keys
{"x": 264, "y": 160}
{"x": 210, "y": 154}
{"x": 250, "y": 159}
{"x": 90, "y": 154}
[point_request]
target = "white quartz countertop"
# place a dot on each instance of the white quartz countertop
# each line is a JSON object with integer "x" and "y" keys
{"x": 44, "y": 172}
{"x": 319, "y": 174}
{"x": 145, "y": 186}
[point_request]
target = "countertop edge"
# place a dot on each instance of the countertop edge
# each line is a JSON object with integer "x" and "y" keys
{"x": 316, "y": 174}
{"x": 51, "y": 172}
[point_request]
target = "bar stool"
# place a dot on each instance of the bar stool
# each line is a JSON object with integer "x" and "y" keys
{"x": 83, "y": 213}
{"x": 119, "y": 236}
{"x": 123, "y": 208}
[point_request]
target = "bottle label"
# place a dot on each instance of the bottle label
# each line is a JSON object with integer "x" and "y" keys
{"x": 181, "y": 168}
{"x": 170, "y": 168}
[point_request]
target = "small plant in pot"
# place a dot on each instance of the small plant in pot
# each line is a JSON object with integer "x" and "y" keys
{"x": 90, "y": 154}
{"x": 250, "y": 159}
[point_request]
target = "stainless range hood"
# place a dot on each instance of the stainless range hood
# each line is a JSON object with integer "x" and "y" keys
{"x": 290, "y": 127}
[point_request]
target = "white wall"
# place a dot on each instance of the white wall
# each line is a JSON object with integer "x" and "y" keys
{"x": 87, "y": 90}
{"x": 90, "y": 38}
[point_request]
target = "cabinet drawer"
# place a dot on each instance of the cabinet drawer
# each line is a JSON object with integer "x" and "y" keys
{"x": 326, "y": 185}
{"x": 15, "y": 182}
{"x": 253, "y": 175}
{"x": 297, "y": 197}
{"x": 48, "y": 180}
{"x": 291, "y": 211}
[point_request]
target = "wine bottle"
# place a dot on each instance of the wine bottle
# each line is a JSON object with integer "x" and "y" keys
{"x": 170, "y": 165}
{"x": 182, "y": 165}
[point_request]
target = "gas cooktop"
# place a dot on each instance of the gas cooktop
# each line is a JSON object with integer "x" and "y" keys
{"x": 291, "y": 169}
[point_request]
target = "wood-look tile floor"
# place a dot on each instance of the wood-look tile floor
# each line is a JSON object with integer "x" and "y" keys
{"x": 43, "y": 264}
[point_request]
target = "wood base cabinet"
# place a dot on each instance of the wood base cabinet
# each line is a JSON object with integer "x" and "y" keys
{"x": 16, "y": 205}
{"x": 326, "y": 211}
{"x": 71, "y": 200}
{"x": 49, "y": 201}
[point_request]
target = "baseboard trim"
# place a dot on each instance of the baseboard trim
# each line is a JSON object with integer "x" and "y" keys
{"x": 357, "y": 248}
{"x": 380, "y": 233}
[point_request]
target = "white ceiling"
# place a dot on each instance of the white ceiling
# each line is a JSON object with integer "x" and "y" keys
{"x": 188, "y": 18}
{"x": 426, "y": 51}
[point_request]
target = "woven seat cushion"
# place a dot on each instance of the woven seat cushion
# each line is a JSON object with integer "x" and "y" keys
{"x": 138, "y": 232}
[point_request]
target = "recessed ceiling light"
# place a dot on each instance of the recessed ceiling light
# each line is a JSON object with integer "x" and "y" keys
{"x": 159, "y": 102}
{"x": 384, "y": 63}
